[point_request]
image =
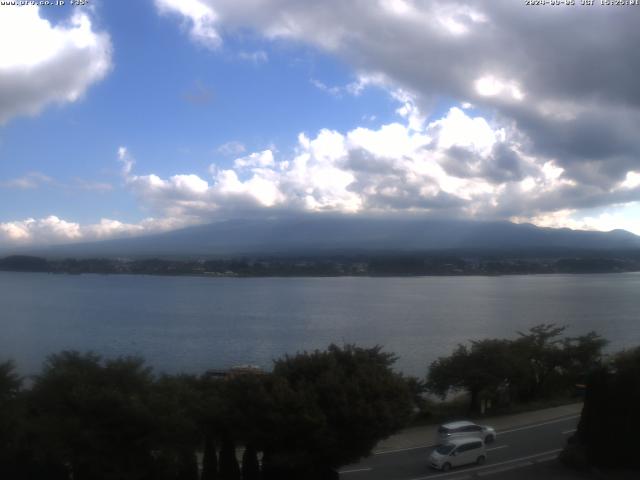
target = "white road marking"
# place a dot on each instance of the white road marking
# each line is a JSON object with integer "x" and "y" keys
{"x": 355, "y": 470}
{"x": 497, "y": 448}
{"x": 567, "y": 432}
{"x": 558, "y": 420}
{"x": 521, "y": 461}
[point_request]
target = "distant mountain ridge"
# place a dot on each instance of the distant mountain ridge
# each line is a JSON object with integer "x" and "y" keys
{"x": 324, "y": 234}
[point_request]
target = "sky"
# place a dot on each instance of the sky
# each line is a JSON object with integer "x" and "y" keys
{"x": 121, "y": 118}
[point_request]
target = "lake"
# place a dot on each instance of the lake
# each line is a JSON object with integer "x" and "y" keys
{"x": 191, "y": 324}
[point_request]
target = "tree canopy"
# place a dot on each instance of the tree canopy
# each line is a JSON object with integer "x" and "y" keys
{"x": 537, "y": 363}
{"x": 85, "y": 417}
{"x": 608, "y": 428}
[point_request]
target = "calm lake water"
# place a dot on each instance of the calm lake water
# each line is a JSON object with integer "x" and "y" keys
{"x": 192, "y": 324}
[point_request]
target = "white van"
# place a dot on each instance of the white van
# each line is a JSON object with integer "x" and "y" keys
{"x": 458, "y": 451}
{"x": 464, "y": 429}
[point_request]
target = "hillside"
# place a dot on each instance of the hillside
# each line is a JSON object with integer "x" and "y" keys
{"x": 322, "y": 235}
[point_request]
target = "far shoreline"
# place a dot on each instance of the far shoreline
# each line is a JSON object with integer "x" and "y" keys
{"x": 239, "y": 277}
{"x": 322, "y": 265}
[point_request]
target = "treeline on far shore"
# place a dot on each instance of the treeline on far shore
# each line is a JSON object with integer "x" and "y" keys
{"x": 85, "y": 417}
{"x": 338, "y": 265}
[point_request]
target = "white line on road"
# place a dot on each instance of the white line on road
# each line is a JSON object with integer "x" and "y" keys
{"x": 355, "y": 470}
{"x": 475, "y": 469}
{"x": 558, "y": 420}
{"x": 567, "y": 432}
{"x": 497, "y": 448}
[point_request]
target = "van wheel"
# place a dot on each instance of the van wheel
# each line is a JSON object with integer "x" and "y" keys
{"x": 489, "y": 439}
{"x": 481, "y": 460}
{"x": 446, "y": 467}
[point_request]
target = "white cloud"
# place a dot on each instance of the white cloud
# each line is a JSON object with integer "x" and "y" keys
{"x": 33, "y": 180}
{"x": 626, "y": 217}
{"x": 257, "y": 57}
{"x": 54, "y": 230}
{"x": 459, "y": 129}
{"x": 255, "y": 160}
{"x": 480, "y": 53}
{"x": 459, "y": 165}
{"x": 41, "y": 63}
{"x": 458, "y": 20}
{"x": 632, "y": 180}
{"x": 232, "y": 148}
{"x": 46, "y": 229}
{"x": 28, "y": 181}
{"x": 395, "y": 167}
{"x": 126, "y": 160}
{"x": 490, "y": 86}
{"x": 202, "y": 19}
{"x": 356, "y": 87}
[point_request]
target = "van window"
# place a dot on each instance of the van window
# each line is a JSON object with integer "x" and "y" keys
{"x": 471, "y": 428}
{"x": 469, "y": 446}
{"x": 444, "y": 449}
{"x": 443, "y": 429}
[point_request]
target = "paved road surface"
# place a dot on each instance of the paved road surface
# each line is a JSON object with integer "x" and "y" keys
{"x": 513, "y": 448}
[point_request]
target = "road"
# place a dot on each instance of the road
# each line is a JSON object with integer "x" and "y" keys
{"x": 513, "y": 448}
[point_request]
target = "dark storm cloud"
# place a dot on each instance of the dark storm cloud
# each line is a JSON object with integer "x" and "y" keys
{"x": 363, "y": 161}
{"x": 502, "y": 165}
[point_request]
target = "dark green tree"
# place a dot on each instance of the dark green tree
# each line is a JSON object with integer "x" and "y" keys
{"x": 11, "y": 422}
{"x": 187, "y": 465}
{"x": 480, "y": 370}
{"x": 175, "y": 402}
{"x": 209, "y": 459}
{"x": 93, "y": 416}
{"x": 331, "y": 408}
{"x": 610, "y": 419}
{"x": 229, "y": 468}
{"x": 582, "y": 355}
{"x": 538, "y": 356}
{"x": 538, "y": 363}
{"x": 250, "y": 464}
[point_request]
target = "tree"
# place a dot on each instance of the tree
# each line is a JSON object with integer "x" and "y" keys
{"x": 93, "y": 416}
{"x": 10, "y": 382}
{"x": 174, "y": 402}
{"x": 187, "y": 465}
{"x": 480, "y": 370}
{"x": 539, "y": 356}
{"x": 537, "y": 363}
{"x": 250, "y": 464}
{"x": 331, "y": 408}
{"x": 608, "y": 428}
{"x": 209, "y": 460}
{"x": 11, "y": 421}
{"x": 229, "y": 468}
{"x": 582, "y": 355}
